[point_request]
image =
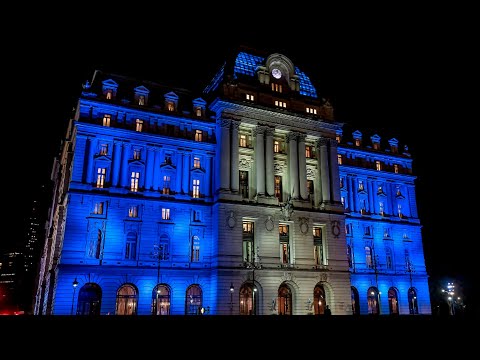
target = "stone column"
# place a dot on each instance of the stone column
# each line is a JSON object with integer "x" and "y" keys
{"x": 260, "y": 159}
{"x": 125, "y": 159}
{"x": 355, "y": 194}
{"x": 117, "y": 160}
{"x": 90, "y": 160}
{"x": 293, "y": 165}
{"x": 234, "y": 176}
{"x": 392, "y": 196}
{"x": 269, "y": 171}
{"x": 186, "y": 174}
{"x": 150, "y": 165}
{"x": 335, "y": 174}
{"x": 178, "y": 175}
{"x": 156, "y": 169}
{"x": 349, "y": 181}
{"x": 302, "y": 167}
{"x": 324, "y": 169}
{"x": 372, "y": 195}
{"x": 318, "y": 179}
{"x": 209, "y": 176}
{"x": 223, "y": 125}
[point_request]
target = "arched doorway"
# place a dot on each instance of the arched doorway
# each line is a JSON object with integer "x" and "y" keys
{"x": 248, "y": 300}
{"x": 161, "y": 300}
{"x": 193, "y": 300}
{"x": 392, "y": 301}
{"x": 373, "y": 301}
{"x": 89, "y": 299}
{"x": 126, "y": 300}
{"x": 319, "y": 300}
{"x": 412, "y": 301}
{"x": 284, "y": 300}
{"x": 355, "y": 301}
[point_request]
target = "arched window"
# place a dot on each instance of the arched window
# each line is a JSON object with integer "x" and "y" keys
{"x": 284, "y": 300}
{"x": 127, "y": 300}
{"x": 248, "y": 300}
{"x": 131, "y": 246}
{"x": 355, "y": 302}
{"x": 393, "y": 301}
{"x": 319, "y": 299}
{"x": 89, "y": 299}
{"x": 412, "y": 301}
{"x": 373, "y": 301}
{"x": 193, "y": 300}
{"x": 195, "y": 251}
{"x": 161, "y": 296}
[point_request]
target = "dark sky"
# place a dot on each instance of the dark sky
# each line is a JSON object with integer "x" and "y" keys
{"x": 401, "y": 71}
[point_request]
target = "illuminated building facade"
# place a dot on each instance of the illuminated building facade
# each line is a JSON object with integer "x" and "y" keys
{"x": 224, "y": 203}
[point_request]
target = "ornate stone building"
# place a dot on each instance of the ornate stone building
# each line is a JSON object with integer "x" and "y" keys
{"x": 225, "y": 203}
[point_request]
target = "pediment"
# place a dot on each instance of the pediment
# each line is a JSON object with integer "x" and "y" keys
{"x": 198, "y": 171}
{"x": 136, "y": 162}
{"x": 171, "y": 96}
{"x": 375, "y": 138}
{"x": 141, "y": 90}
{"x": 357, "y": 134}
{"x": 168, "y": 167}
{"x": 102, "y": 158}
{"x": 110, "y": 84}
{"x": 199, "y": 102}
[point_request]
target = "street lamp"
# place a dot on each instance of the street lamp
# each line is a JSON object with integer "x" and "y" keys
{"x": 232, "y": 289}
{"x": 254, "y": 310}
{"x": 74, "y": 284}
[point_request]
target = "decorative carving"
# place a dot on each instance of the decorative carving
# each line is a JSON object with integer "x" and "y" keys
{"x": 235, "y": 124}
{"x": 269, "y": 131}
{"x": 322, "y": 141}
{"x": 259, "y": 130}
{"x": 323, "y": 277}
{"x": 311, "y": 172}
{"x": 287, "y": 209}
{"x": 288, "y": 276}
{"x": 244, "y": 163}
{"x": 336, "y": 228}
{"x": 291, "y": 136}
{"x": 269, "y": 223}
{"x": 231, "y": 220}
{"x": 301, "y": 137}
{"x": 278, "y": 167}
{"x": 303, "y": 225}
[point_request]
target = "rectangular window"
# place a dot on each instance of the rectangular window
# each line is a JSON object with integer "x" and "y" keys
{"x": 388, "y": 259}
{"x": 399, "y": 208}
{"x": 280, "y": 104}
{"x": 166, "y": 185}
{"x": 141, "y": 100}
{"x": 101, "y": 176}
{"x": 368, "y": 257}
{"x": 98, "y": 209}
{"x": 170, "y": 106}
{"x": 244, "y": 183}
{"x": 138, "y": 125}
{"x": 367, "y": 231}
{"x": 360, "y": 185}
{"x": 339, "y": 159}
{"x": 283, "y": 236}
{"x": 196, "y": 162}
{"x": 197, "y": 216}
{"x": 196, "y": 188}
{"x": 310, "y": 189}
{"x": 109, "y": 95}
{"x": 311, "y": 111}
{"x": 338, "y": 138}
{"x": 243, "y": 140}
{"x": 165, "y": 214}
{"x": 106, "y": 119}
{"x": 163, "y": 249}
{"x": 104, "y": 149}
{"x": 308, "y": 152}
{"x": 168, "y": 159}
{"x": 131, "y": 247}
{"x": 277, "y": 87}
{"x": 378, "y": 165}
{"x": 342, "y": 199}
{"x": 137, "y": 154}
{"x": 250, "y": 97}
{"x": 195, "y": 249}
{"x": 198, "y": 135}
{"x": 198, "y": 111}
{"x": 395, "y": 168}
{"x": 348, "y": 229}
{"x": 134, "y": 181}
{"x": 357, "y": 142}
{"x": 386, "y": 232}
{"x": 318, "y": 245}
{"x": 276, "y": 146}
{"x": 133, "y": 211}
{"x": 381, "y": 207}
{"x": 278, "y": 187}
{"x": 376, "y": 146}
{"x": 248, "y": 241}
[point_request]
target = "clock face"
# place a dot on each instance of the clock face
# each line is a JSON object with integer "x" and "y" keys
{"x": 277, "y": 74}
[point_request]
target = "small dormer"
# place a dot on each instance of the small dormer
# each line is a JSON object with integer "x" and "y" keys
{"x": 199, "y": 107}
{"x": 141, "y": 95}
{"x": 357, "y": 138}
{"x": 338, "y": 135}
{"x": 393, "y": 145}
{"x": 171, "y": 101}
{"x": 375, "y": 142}
{"x": 109, "y": 89}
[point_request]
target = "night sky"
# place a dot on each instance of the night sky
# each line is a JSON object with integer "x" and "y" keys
{"x": 402, "y": 74}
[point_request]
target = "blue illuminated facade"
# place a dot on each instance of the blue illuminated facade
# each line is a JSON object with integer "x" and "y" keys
{"x": 227, "y": 202}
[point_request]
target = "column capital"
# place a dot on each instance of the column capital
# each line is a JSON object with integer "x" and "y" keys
{"x": 322, "y": 141}
{"x": 301, "y": 137}
{"x": 224, "y": 123}
{"x": 235, "y": 124}
{"x": 333, "y": 143}
{"x": 259, "y": 130}
{"x": 269, "y": 131}
{"x": 291, "y": 136}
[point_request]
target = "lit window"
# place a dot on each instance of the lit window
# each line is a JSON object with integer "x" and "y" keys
{"x": 348, "y": 229}
{"x": 249, "y": 97}
{"x": 311, "y": 111}
{"x": 280, "y": 104}
{"x": 357, "y": 142}
{"x": 376, "y": 146}
{"x": 276, "y": 146}
{"x": 170, "y": 106}
{"x": 308, "y": 152}
{"x": 103, "y": 149}
{"x": 196, "y": 162}
{"x": 284, "y": 239}
{"x": 360, "y": 185}
{"x": 134, "y": 180}
{"x": 278, "y": 187}
{"x": 310, "y": 189}
{"x": 101, "y": 175}
{"x": 378, "y": 165}
{"x": 195, "y": 253}
{"x": 165, "y": 214}
{"x": 196, "y": 188}
{"x": 318, "y": 245}
{"x": 339, "y": 159}
{"x": 248, "y": 239}
{"x": 243, "y": 140}
{"x": 277, "y": 87}
{"x": 109, "y": 94}
{"x": 368, "y": 257}
{"x": 166, "y": 185}
{"x": 342, "y": 199}
{"x": 198, "y": 111}
{"x": 133, "y": 211}
{"x": 395, "y": 168}
{"x": 131, "y": 246}
{"x": 367, "y": 231}
{"x": 141, "y": 100}
{"x": 106, "y": 119}
{"x": 98, "y": 209}
{"x": 382, "y": 208}
{"x": 198, "y": 135}
{"x": 399, "y": 208}
{"x": 138, "y": 125}
{"x": 338, "y": 138}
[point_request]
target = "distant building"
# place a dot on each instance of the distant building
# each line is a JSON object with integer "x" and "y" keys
{"x": 241, "y": 200}
{"x": 11, "y": 280}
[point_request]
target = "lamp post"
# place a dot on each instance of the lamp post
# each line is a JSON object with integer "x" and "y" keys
{"x": 254, "y": 310}
{"x": 74, "y": 284}
{"x": 232, "y": 289}
{"x": 157, "y": 255}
